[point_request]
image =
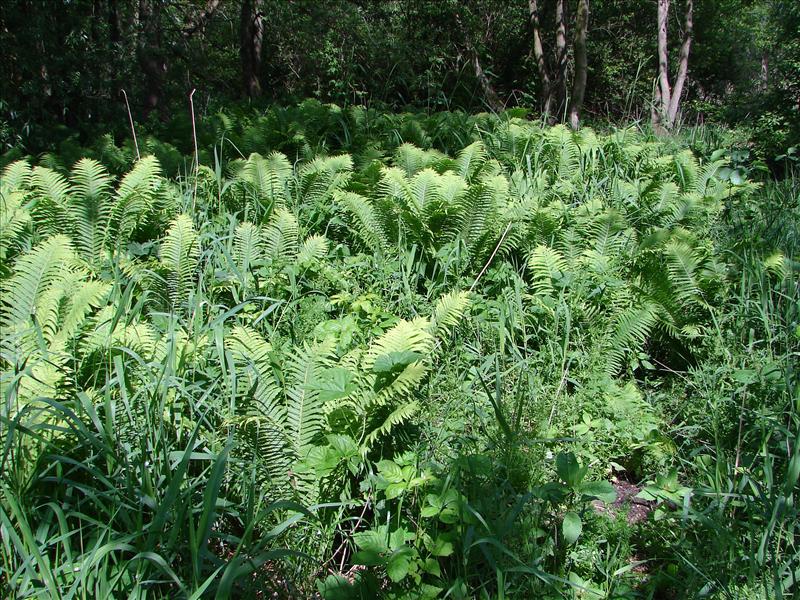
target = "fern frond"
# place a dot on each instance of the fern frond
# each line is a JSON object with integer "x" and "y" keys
{"x": 179, "y": 253}
{"x": 246, "y": 246}
{"x": 547, "y": 266}
{"x": 630, "y": 330}
{"x": 368, "y": 227}
{"x": 447, "y": 313}
{"x": 313, "y": 250}
{"x": 281, "y": 236}
{"x": 90, "y": 208}
{"x": 35, "y": 273}
{"x": 304, "y": 411}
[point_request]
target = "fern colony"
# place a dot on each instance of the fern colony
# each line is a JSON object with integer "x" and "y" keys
{"x": 399, "y": 372}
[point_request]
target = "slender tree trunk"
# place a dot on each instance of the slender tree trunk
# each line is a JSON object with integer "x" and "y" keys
{"x": 251, "y": 37}
{"x": 489, "y": 93}
{"x": 664, "y": 92}
{"x": 113, "y": 22}
{"x": 561, "y": 57}
{"x": 538, "y": 54}
{"x": 148, "y": 54}
{"x": 581, "y": 64}
{"x": 683, "y": 64}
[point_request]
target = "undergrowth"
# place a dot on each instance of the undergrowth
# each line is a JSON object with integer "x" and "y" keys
{"x": 366, "y": 355}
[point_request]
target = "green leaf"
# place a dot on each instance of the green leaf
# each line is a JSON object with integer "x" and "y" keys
{"x": 371, "y": 541}
{"x": 569, "y": 470}
{"x": 602, "y": 490}
{"x": 334, "y": 384}
{"x": 571, "y": 527}
{"x": 398, "y": 564}
{"x": 441, "y": 547}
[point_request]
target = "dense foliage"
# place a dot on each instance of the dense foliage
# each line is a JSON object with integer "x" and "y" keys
{"x": 65, "y": 62}
{"x": 360, "y": 354}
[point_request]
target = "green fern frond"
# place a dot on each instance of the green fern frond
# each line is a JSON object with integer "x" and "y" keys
{"x": 247, "y": 243}
{"x": 135, "y": 197}
{"x": 281, "y": 236}
{"x": 179, "y": 252}
{"x": 682, "y": 265}
{"x": 313, "y": 250}
{"x": 16, "y": 177}
{"x": 367, "y": 227}
{"x": 630, "y": 330}
{"x": 547, "y": 266}
{"x": 304, "y": 410}
{"x": 268, "y": 178}
{"x": 471, "y": 160}
{"x": 90, "y": 208}
{"x": 14, "y": 218}
{"x": 448, "y": 312}
{"x": 35, "y": 274}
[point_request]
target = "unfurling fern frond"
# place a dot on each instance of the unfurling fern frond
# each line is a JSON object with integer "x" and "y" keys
{"x": 178, "y": 255}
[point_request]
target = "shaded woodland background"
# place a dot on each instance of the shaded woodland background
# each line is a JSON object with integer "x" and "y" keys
{"x": 65, "y": 62}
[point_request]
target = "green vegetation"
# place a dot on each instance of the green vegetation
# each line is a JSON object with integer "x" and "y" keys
{"x": 366, "y": 355}
{"x": 400, "y": 299}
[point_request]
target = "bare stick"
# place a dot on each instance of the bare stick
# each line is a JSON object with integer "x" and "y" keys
{"x": 196, "y": 153}
{"x": 491, "y": 258}
{"x": 133, "y": 131}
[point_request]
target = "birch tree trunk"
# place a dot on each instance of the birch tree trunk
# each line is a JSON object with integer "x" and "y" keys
{"x": 251, "y": 38}
{"x": 666, "y": 103}
{"x": 581, "y": 64}
{"x": 683, "y": 65}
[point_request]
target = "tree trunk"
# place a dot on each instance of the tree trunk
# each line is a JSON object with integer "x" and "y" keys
{"x": 113, "y": 22}
{"x": 683, "y": 65}
{"x": 489, "y": 93}
{"x": 251, "y": 37}
{"x": 538, "y": 54}
{"x": 201, "y": 19}
{"x": 148, "y": 54}
{"x": 561, "y": 57}
{"x": 662, "y": 99}
{"x": 581, "y": 64}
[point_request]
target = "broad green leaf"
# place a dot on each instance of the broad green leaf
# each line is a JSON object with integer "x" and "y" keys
{"x": 571, "y": 527}
{"x": 602, "y": 490}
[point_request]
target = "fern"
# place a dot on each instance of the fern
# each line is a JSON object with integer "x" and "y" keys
{"x": 247, "y": 243}
{"x": 90, "y": 208}
{"x": 178, "y": 255}
{"x": 367, "y": 227}
{"x": 35, "y": 274}
{"x": 547, "y": 266}
{"x": 281, "y": 237}
{"x": 448, "y": 312}
{"x": 630, "y": 330}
